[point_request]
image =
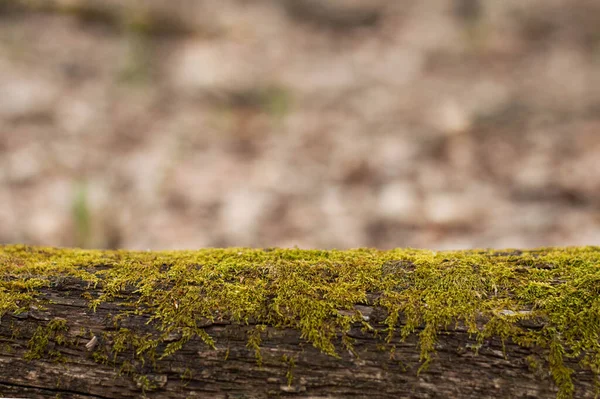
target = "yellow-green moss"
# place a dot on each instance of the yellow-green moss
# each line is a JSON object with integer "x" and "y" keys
{"x": 54, "y": 331}
{"x": 186, "y": 376}
{"x": 254, "y": 340}
{"x": 315, "y": 292}
{"x": 144, "y": 383}
{"x": 291, "y": 363}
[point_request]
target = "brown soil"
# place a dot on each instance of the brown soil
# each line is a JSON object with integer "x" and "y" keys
{"x": 330, "y": 123}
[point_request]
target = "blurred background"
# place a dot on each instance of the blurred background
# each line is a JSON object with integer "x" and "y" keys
{"x": 311, "y": 123}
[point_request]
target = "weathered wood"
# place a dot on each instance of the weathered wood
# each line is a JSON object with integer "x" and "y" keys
{"x": 232, "y": 370}
{"x": 283, "y": 363}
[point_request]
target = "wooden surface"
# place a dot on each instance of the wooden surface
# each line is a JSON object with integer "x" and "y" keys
{"x": 231, "y": 370}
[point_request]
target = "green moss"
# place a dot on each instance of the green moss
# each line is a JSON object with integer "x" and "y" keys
{"x": 126, "y": 368}
{"x": 100, "y": 357}
{"x": 254, "y": 340}
{"x": 39, "y": 344}
{"x": 144, "y": 383}
{"x": 314, "y": 292}
{"x": 291, "y": 363}
{"x": 186, "y": 376}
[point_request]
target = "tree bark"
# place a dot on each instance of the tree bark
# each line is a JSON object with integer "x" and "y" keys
{"x": 289, "y": 366}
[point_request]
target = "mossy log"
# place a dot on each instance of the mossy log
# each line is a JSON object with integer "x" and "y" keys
{"x": 252, "y": 323}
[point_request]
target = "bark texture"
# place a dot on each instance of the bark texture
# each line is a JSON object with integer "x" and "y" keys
{"x": 288, "y": 366}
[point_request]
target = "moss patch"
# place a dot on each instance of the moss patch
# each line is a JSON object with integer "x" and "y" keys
{"x": 44, "y": 338}
{"x": 315, "y": 292}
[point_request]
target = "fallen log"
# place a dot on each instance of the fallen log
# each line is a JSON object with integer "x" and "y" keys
{"x": 252, "y": 323}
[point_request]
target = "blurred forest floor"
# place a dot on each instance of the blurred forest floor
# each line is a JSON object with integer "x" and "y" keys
{"x": 310, "y": 123}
